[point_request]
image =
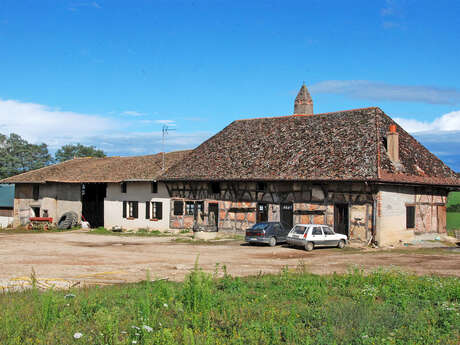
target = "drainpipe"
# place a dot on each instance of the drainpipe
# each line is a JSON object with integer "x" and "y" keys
{"x": 373, "y": 239}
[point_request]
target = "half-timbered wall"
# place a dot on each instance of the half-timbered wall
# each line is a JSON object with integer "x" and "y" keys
{"x": 311, "y": 203}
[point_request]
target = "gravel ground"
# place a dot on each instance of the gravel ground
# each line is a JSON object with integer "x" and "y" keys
{"x": 78, "y": 258}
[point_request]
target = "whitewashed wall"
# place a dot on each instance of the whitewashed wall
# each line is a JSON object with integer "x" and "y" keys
{"x": 135, "y": 191}
{"x": 391, "y": 214}
{"x": 5, "y": 221}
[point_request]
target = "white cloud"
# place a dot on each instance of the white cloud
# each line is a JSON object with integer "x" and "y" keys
{"x": 366, "y": 89}
{"x": 40, "y": 123}
{"x": 441, "y": 136}
{"x": 446, "y": 123}
{"x": 166, "y": 122}
{"x": 133, "y": 113}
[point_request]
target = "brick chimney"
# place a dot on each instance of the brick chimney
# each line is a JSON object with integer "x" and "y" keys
{"x": 303, "y": 104}
{"x": 393, "y": 144}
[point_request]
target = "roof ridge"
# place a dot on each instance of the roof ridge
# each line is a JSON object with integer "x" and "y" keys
{"x": 306, "y": 115}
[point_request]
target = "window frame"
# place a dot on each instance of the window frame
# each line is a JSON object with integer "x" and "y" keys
{"x": 156, "y": 210}
{"x": 189, "y": 208}
{"x": 130, "y": 209}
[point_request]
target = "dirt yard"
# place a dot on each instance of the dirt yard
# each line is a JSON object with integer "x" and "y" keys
{"x": 65, "y": 259}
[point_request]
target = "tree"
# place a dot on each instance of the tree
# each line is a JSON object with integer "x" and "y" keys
{"x": 18, "y": 156}
{"x": 67, "y": 152}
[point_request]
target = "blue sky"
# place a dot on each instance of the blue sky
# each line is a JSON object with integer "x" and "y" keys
{"x": 111, "y": 73}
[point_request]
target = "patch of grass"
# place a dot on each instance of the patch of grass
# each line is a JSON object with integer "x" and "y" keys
{"x": 140, "y": 232}
{"x": 453, "y": 221}
{"x": 453, "y": 212}
{"x": 409, "y": 250}
{"x": 293, "y": 307}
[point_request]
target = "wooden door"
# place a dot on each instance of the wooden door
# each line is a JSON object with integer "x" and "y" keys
{"x": 441, "y": 219}
{"x": 287, "y": 215}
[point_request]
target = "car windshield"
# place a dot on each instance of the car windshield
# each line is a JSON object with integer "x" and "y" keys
{"x": 299, "y": 229}
{"x": 260, "y": 226}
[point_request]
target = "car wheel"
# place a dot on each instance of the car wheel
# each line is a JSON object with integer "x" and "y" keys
{"x": 309, "y": 246}
{"x": 272, "y": 242}
{"x": 341, "y": 244}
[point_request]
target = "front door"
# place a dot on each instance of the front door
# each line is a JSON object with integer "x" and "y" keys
{"x": 341, "y": 219}
{"x": 287, "y": 215}
{"x": 441, "y": 219}
{"x": 262, "y": 212}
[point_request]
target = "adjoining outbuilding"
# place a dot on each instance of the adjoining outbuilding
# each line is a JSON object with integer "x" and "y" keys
{"x": 6, "y": 205}
{"x": 111, "y": 191}
{"x": 357, "y": 171}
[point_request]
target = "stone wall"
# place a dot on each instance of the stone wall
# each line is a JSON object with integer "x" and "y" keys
{"x": 56, "y": 198}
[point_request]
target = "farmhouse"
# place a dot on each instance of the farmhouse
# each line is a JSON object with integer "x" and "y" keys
{"x": 355, "y": 170}
{"x": 110, "y": 191}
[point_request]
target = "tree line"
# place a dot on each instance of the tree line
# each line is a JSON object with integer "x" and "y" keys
{"x": 17, "y": 155}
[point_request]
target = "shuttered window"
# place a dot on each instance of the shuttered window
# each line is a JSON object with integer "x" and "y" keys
{"x": 130, "y": 209}
{"x": 410, "y": 217}
{"x": 157, "y": 210}
{"x": 147, "y": 210}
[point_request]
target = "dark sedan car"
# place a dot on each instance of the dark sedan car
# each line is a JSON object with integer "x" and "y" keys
{"x": 269, "y": 233}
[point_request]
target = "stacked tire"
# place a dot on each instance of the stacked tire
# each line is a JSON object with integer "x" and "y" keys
{"x": 68, "y": 220}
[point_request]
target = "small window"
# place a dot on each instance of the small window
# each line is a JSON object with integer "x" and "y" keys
{"x": 215, "y": 187}
{"x": 261, "y": 186}
{"x": 178, "y": 208}
{"x": 123, "y": 187}
{"x": 36, "y": 191}
{"x": 154, "y": 187}
{"x": 410, "y": 217}
{"x": 189, "y": 208}
{"x": 157, "y": 210}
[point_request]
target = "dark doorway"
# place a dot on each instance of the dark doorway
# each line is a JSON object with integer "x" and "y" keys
{"x": 92, "y": 200}
{"x": 287, "y": 214}
{"x": 341, "y": 219}
{"x": 213, "y": 208}
{"x": 262, "y": 212}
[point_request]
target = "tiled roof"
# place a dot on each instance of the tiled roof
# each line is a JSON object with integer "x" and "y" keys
{"x": 344, "y": 145}
{"x": 108, "y": 169}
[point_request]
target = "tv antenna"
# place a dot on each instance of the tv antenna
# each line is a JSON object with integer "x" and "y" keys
{"x": 164, "y": 131}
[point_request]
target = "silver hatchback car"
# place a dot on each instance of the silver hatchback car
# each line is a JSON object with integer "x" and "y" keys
{"x": 310, "y": 236}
